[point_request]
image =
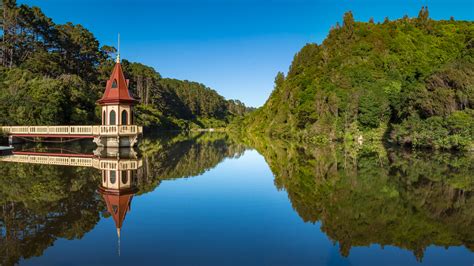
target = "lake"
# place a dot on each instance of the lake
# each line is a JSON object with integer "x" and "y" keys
{"x": 209, "y": 199}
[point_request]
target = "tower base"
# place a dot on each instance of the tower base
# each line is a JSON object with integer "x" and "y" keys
{"x": 111, "y": 152}
{"x": 116, "y": 141}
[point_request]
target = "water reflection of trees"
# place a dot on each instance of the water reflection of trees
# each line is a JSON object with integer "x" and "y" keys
{"x": 373, "y": 195}
{"x": 378, "y": 196}
{"x": 183, "y": 156}
{"x": 41, "y": 203}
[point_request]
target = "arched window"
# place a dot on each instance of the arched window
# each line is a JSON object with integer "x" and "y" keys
{"x": 104, "y": 118}
{"x": 124, "y": 177}
{"x": 124, "y": 117}
{"x": 112, "y": 118}
{"x": 114, "y": 84}
{"x": 113, "y": 177}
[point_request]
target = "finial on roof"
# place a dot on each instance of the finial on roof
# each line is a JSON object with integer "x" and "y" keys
{"x": 118, "y": 50}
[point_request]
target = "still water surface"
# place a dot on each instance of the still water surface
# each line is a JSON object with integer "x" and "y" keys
{"x": 206, "y": 199}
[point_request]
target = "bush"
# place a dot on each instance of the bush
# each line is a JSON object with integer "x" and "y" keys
{"x": 454, "y": 132}
{"x": 373, "y": 110}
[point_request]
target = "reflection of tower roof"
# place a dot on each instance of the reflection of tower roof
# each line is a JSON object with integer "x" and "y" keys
{"x": 116, "y": 90}
{"x": 118, "y": 204}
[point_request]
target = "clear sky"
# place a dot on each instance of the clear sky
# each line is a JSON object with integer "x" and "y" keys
{"x": 233, "y": 46}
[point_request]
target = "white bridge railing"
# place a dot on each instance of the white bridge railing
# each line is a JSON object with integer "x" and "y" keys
{"x": 74, "y": 130}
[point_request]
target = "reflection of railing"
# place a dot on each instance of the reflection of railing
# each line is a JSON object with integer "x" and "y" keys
{"x": 74, "y": 130}
{"x": 113, "y": 164}
{"x": 99, "y": 163}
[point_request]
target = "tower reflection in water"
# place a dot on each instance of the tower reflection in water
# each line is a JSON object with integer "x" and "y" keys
{"x": 118, "y": 166}
{"x": 119, "y": 183}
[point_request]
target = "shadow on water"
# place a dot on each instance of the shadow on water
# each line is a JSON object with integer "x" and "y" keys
{"x": 361, "y": 196}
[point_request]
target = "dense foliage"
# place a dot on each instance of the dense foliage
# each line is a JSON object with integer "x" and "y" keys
{"x": 409, "y": 80}
{"x": 54, "y": 74}
{"x": 174, "y": 104}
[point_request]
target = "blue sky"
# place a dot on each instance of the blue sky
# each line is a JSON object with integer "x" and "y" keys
{"x": 233, "y": 46}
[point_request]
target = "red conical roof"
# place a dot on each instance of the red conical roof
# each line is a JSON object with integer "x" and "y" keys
{"x": 116, "y": 90}
{"x": 117, "y": 205}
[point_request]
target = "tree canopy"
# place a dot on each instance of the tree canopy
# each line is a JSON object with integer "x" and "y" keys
{"x": 54, "y": 73}
{"x": 409, "y": 81}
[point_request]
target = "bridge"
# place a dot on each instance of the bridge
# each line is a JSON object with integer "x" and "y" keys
{"x": 76, "y": 132}
{"x": 129, "y": 132}
{"x": 71, "y": 131}
{"x": 117, "y": 116}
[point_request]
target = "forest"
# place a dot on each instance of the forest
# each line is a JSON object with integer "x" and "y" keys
{"x": 408, "y": 81}
{"x": 53, "y": 74}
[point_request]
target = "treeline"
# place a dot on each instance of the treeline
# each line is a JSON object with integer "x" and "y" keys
{"x": 48, "y": 72}
{"x": 174, "y": 104}
{"x": 409, "y": 81}
{"x": 54, "y": 73}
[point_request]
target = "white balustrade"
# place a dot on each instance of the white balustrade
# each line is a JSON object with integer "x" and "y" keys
{"x": 128, "y": 130}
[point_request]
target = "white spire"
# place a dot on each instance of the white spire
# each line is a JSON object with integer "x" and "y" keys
{"x": 118, "y": 242}
{"x": 118, "y": 50}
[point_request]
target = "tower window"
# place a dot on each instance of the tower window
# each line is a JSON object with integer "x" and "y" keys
{"x": 113, "y": 177}
{"x": 112, "y": 118}
{"x": 114, "y": 84}
{"x": 124, "y": 117}
{"x": 124, "y": 177}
